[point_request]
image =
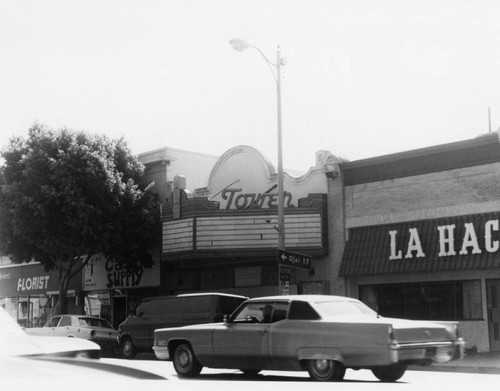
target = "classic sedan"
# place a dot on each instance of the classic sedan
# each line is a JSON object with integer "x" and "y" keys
{"x": 94, "y": 329}
{"x": 320, "y": 334}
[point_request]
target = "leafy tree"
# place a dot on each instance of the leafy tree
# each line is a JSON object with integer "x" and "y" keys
{"x": 66, "y": 196}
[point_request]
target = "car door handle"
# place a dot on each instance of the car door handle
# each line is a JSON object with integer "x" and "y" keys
{"x": 262, "y": 331}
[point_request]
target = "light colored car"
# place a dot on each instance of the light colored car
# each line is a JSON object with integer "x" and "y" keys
{"x": 94, "y": 329}
{"x": 14, "y": 341}
{"x": 320, "y": 334}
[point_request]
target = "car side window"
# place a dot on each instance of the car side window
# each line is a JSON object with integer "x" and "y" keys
{"x": 269, "y": 312}
{"x": 65, "y": 321}
{"x": 250, "y": 313}
{"x": 53, "y": 322}
{"x": 280, "y": 311}
{"x": 302, "y": 310}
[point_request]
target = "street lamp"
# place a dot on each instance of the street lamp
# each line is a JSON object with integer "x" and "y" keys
{"x": 240, "y": 45}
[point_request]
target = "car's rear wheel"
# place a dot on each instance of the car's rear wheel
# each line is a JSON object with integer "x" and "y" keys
{"x": 185, "y": 362}
{"x": 389, "y": 373}
{"x": 129, "y": 351}
{"x": 325, "y": 370}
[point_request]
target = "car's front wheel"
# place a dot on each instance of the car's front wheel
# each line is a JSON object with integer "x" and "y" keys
{"x": 129, "y": 351}
{"x": 185, "y": 362}
{"x": 325, "y": 370}
{"x": 389, "y": 373}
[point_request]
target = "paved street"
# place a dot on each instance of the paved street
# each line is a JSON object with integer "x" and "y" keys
{"x": 354, "y": 380}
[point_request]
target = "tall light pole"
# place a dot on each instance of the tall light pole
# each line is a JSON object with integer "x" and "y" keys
{"x": 240, "y": 45}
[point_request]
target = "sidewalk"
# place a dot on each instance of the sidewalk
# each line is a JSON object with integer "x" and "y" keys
{"x": 471, "y": 363}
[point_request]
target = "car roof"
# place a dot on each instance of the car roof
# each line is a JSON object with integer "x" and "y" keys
{"x": 79, "y": 316}
{"x": 309, "y": 298}
{"x": 200, "y": 294}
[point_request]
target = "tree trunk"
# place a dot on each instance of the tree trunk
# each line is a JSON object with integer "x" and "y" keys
{"x": 62, "y": 303}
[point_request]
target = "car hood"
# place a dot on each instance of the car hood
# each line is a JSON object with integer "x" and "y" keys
{"x": 20, "y": 344}
{"x": 63, "y": 374}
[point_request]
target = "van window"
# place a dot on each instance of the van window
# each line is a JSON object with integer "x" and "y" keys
{"x": 181, "y": 305}
{"x": 142, "y": 308}
{"x": 226, "y": 305}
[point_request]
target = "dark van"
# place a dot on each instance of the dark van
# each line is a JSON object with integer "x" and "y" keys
{"x": 137, "y": 331}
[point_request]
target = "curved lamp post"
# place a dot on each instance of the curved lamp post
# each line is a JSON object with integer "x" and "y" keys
{"x": 240, "y": 45}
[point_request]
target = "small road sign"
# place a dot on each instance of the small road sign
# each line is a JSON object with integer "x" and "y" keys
{"x": 300, "y": 261}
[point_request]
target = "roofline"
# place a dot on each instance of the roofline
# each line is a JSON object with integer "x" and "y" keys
{"x": 424, "y": 160}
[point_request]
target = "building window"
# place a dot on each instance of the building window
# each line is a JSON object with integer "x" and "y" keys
{"x": 447, "y": 300}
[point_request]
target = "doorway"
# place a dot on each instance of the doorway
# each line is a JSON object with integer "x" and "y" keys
{"x": 119, "y": 310}
{"x": 493, "y": 297}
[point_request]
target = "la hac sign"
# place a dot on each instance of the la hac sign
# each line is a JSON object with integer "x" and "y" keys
{"x": 458, "y": 239}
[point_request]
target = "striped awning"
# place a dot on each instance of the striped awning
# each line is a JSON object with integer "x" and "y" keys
{"x": 454, "y": 243}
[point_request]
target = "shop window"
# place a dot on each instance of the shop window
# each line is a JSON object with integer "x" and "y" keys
{"x": 449, "y": 300}
{"x": 247, "y": 276}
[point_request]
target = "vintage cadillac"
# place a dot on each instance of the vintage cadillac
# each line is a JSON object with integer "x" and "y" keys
{"x": 320, "y": 334}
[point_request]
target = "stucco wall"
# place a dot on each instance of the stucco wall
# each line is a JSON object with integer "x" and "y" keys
{"x": 448, "y": 193}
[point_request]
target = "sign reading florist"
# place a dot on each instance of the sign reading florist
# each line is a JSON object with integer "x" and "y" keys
{"x": 473, "y": 237}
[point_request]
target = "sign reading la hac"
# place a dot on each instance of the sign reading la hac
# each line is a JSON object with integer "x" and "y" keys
{"x": 453, "y": 240}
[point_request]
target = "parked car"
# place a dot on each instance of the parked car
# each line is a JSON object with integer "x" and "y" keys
{"x": 94, "y": 329}
{"x": 321, "y": 334}
{"x": 14, "y": 341}
{"x": 137, "y": 331}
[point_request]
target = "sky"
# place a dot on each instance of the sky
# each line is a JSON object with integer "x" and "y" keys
{"x": 362, "y": 78}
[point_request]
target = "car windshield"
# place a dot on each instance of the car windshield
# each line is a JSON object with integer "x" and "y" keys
{"x": 344, "y": 308}
{"x": 94, "y": 322}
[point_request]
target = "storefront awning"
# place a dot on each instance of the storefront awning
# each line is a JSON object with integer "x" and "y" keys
{"x": 32, "y": 279}
{"x": 455, "y": 243}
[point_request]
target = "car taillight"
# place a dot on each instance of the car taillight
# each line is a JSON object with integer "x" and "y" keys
{"x": 392, "y": 337}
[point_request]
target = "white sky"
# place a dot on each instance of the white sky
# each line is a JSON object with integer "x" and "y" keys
{"x": 363, "y": 78}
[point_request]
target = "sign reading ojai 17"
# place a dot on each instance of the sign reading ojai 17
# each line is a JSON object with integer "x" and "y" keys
{"x": 300, "y": 261}
{"x": 101, "y": 273}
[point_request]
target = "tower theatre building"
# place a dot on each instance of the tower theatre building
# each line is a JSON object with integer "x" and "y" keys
{"x": 422, "y": 235}
{"x": 224, "y": 237}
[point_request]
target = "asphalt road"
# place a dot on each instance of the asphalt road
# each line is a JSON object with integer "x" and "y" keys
{"x": 222, "y": 380}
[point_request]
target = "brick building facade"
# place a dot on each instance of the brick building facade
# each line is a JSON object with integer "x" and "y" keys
{"x": 422, "y": 235}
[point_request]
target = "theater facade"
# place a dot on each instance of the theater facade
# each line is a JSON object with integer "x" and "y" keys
{"x": 224, "y": 237}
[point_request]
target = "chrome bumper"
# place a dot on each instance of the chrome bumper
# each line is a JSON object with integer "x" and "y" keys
{"x": 161, "y": 352}
{"x": 431, "y": 351}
